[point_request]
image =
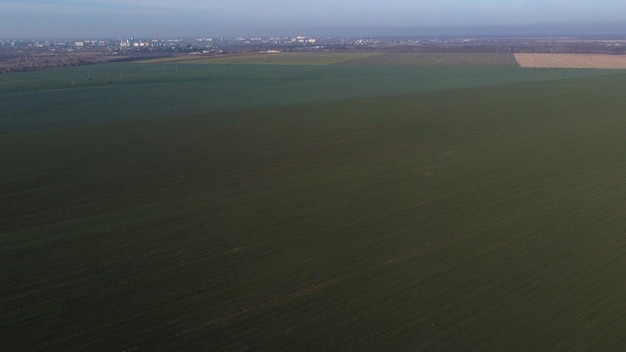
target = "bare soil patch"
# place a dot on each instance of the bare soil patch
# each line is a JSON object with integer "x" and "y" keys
{"x": 571, "y": 60}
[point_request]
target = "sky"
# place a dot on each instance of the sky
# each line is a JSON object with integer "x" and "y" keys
{"x": 28, "y": 19}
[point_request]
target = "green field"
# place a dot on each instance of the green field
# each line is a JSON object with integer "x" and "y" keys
{"x": 440, "y": 60}
{"x": 128, "y": 91}
{"x": 477, "y": 208}
{"x": 352, "y": 58}
{"x": 286, "y": 58}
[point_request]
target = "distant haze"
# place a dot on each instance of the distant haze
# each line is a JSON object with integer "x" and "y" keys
{"x": 194, "y": 18}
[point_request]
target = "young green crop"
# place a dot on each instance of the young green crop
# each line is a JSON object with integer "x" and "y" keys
{"x": 125, "y": 91}
{"x": 476, "y": 218}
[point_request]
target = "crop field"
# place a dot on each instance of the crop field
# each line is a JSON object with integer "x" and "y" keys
{"x": 284, "y": 58}
{"x": 372, "y": 58}
{"x": 440, "y": 59}
{"x": 484, "y": 212}
{"x": 127, "y": 91}
{"x": 571, "y": 61}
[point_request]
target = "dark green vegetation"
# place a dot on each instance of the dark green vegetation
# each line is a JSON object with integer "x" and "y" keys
{"x": 485, "y": 217}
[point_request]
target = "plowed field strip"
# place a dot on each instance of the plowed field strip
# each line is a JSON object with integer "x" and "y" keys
{"x": 571, "y": 61}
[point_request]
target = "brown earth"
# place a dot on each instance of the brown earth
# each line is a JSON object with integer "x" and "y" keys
{"x": 571, "y": 60}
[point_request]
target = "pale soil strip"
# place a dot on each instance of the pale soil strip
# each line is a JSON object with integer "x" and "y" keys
{"x": 571, "y": 61}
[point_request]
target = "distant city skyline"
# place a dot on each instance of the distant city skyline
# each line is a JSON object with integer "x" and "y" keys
{"x": 21, "y": 19}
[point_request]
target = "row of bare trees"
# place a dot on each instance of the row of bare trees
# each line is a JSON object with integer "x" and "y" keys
{"x": 35, "y": 61}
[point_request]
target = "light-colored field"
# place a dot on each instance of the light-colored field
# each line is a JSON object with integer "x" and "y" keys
{"x": 571, "y": 60}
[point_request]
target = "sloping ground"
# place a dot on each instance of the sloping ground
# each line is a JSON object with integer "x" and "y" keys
{"x": 481, "y": 219}
{"x": 571, "y": 61}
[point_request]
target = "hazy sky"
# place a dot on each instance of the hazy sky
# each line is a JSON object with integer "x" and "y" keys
{"x": 191, "y": 18}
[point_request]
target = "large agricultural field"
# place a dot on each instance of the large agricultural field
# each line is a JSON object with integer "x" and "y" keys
{"x": 448, "y": 204}
{"x": 373, "y": 58}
